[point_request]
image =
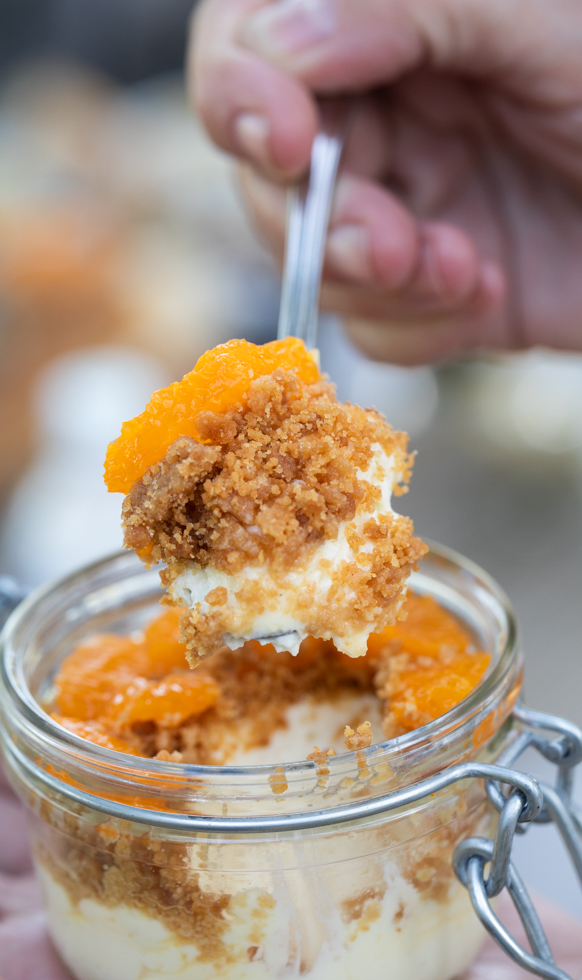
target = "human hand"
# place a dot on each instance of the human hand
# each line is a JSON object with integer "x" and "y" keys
{"x": 458, "y": 221}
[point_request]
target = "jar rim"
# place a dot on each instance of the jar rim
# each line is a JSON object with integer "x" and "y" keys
{"x": 29, "y": 732}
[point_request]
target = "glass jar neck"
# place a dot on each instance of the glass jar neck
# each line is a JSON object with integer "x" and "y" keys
{"x": 114, "y": 594}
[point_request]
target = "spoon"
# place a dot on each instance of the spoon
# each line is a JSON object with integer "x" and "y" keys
{"x": 308, "y": 209}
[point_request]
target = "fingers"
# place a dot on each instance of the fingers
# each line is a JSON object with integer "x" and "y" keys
{"x": 429, "y": 338}
{"x": 251, "y": 108}
{"x": 338, "y": 44}
{"x": 256, "y": 64}
{"x": 424, "y": 322}
{"x": 412, "y": 328}
{"x": 335, "y": 44}
{"x": 412, "y": 292}
{"x": 374, "y": 241}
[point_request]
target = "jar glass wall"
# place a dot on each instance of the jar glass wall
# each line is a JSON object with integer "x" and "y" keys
{"x": 133, "y": 891}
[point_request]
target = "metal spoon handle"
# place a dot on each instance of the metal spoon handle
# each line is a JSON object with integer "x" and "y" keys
{"x": 308, "y": 209}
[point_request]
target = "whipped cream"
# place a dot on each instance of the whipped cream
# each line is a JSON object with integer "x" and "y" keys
{"x": 286, "y": 602}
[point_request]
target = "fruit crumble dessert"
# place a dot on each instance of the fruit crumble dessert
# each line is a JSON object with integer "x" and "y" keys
{"x": 268, "y": 501}
{"x": 129, "y": 900}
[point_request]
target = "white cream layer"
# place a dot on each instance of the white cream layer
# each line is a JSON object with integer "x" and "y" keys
{"x": 401, "y": 936}
{"x": 283, "y": 620}
{"x": 313, "y": 723}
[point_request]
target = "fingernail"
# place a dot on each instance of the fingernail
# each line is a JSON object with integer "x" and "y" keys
{"x": 348, "y": 250}
{"x": 288, "y": 26}
{"x": 253, "y": 134}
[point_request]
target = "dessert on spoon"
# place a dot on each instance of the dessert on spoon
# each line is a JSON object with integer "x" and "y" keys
{"x": 269, "y": 502}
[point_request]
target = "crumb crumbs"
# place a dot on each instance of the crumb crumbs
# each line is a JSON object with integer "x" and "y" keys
{"x": 164, "y": 756}
{"x": 362, "y": 738}
{"x": 323, "y": 770}
{"x": 278, "y": 781}
{"x": 319, "y": 756}
{"x": 217, "y": 597}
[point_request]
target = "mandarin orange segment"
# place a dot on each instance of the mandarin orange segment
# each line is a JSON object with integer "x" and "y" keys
{"x": 168, "y": 702}
{"x": 219, "y": 381}
{"x": 95, "y": 731}
{"x": 421, "y": 694}
{"x": 427, "y": 630}
{"x": 163, "y": 644}
{"x": 91, "y": 676}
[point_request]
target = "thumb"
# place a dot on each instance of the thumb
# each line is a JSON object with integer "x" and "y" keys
{"x": 335, "y": 44}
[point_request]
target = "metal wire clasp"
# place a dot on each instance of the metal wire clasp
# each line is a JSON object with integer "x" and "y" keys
{"x": 473, "y": 856}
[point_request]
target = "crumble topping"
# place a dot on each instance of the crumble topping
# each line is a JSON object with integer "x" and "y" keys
{"x": 250, "y": 510}
{"x": 362, "y": 738}
{"x": 280, "y": 475}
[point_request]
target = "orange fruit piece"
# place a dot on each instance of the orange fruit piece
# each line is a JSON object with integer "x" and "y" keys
{"x": 219, "y": 381}
{"x": 93, "y": 674}
{"x": 438, "y": 669}
{"x": 168, "y": 702}
{"x": 426, "y": 631}
{"x": 421, "y": 694}
{"x": 95, "y": 732}
{"x": 165, "y": 649}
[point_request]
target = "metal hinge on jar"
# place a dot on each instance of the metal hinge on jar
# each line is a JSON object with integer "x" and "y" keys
{"x": 474, "y": 855}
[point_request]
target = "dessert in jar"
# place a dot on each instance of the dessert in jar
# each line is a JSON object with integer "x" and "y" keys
{"x": 116, "y": 746}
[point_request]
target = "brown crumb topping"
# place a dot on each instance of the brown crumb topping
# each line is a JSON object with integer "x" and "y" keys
{"x": 258, "y": 685}
{"x": 359, "y": 739}
{"x": 276, "y": 478}
{"x": 279, "y": 474}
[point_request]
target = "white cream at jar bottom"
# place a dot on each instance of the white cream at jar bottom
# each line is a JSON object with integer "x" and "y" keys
{"x": 401, "y": 936}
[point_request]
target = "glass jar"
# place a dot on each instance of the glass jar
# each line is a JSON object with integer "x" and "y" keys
{"x": 144, "y": 877}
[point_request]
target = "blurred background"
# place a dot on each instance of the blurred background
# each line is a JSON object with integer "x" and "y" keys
{"x": 125, "y": 253}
